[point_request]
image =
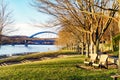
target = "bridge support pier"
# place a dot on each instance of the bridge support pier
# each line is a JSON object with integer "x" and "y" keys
{"x": 26, "y": 43}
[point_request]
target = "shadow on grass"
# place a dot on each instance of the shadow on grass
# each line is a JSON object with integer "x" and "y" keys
{"x": 73, "y": 77}
{"x": 90, "y": 77}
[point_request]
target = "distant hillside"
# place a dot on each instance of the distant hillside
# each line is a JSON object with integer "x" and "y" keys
{"x": 23, "y": 39}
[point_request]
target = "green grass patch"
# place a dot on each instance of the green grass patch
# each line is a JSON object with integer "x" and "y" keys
{"x": 54, "y": 69}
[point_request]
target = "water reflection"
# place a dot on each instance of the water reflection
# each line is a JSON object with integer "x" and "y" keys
{"x": 9, "y": 49}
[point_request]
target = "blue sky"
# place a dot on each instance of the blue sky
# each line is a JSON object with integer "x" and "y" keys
{"x": 24, "y": 14}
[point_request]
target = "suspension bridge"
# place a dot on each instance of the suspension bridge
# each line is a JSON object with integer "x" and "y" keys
{"x": 48, "y": 38}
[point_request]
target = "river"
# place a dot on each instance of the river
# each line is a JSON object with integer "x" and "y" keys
{"x": 21, "y": 49}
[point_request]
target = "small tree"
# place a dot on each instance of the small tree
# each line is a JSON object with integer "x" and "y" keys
{"x": 5, "y": 17}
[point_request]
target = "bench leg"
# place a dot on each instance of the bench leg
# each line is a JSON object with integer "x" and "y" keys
{"x": 115, "y": 78}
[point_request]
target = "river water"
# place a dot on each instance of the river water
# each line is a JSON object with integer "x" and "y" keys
{"x": 16, "y": 49}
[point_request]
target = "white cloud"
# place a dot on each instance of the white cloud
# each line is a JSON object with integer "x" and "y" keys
{"x": 28, "y": 30}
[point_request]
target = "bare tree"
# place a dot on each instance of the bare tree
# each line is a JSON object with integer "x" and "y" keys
{"x": 87, "y": 16}
{"x": 91, "y": 16}
{"x": 5, "y": 17}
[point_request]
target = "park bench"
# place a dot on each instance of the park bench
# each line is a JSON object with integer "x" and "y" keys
{"x": 102, "y": 61}
{"x": 115, "y": 77}
{"x": 91, "y": 60}
{"x": 113, "y": 61}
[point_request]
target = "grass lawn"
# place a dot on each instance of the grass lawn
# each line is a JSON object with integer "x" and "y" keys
{"x": 54, "y": 69}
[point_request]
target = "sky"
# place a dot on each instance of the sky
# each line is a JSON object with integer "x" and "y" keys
{"x": 25, "y": 17}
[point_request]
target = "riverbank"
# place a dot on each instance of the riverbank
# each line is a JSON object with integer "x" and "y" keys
{"x": 59, "y": 68}
{"x": 31, "y": 57}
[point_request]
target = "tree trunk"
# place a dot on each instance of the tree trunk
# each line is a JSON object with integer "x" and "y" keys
{"x": 96, "y": 47}
{"x": 82, "y": 51}
{"x": 111, "y": 38}
{"x": 91, "y": 45}
{"x": 78, "y": 47}
{"x": 91, "y": 48}
{"x": 86, "y": 50}
{"x": 87, "y": 45}
{"x": 111, "y": 46}
{"x": 82, "y": 45}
